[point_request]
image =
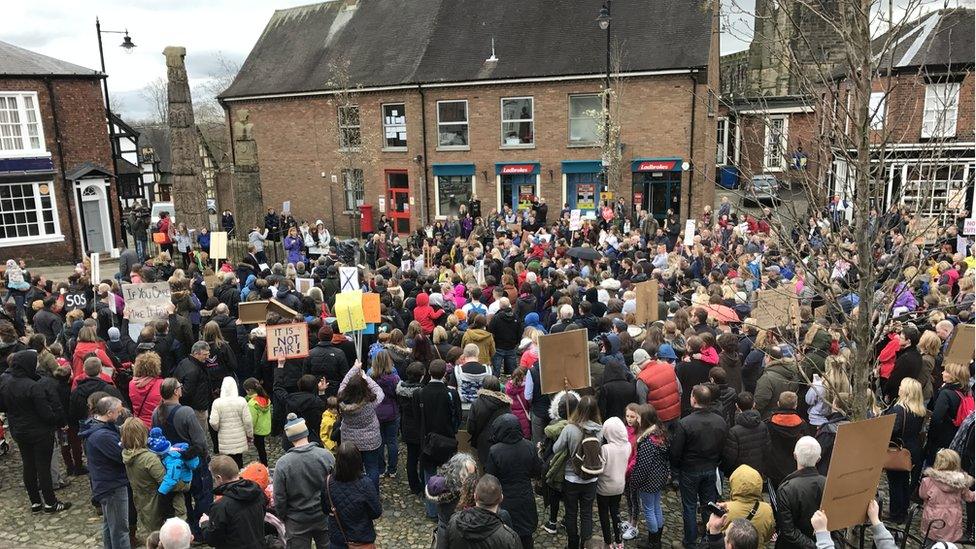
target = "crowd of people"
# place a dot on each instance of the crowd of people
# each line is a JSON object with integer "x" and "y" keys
{"x": 740, "y": 420}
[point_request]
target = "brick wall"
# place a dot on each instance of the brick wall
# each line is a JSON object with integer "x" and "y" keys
{"x": 297, "y": 142}
{"x": 84, "y": 138}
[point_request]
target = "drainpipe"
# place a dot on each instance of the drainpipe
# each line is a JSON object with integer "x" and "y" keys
{"x": 65, "y": 184}
{"x": 423, "y": 132}
{"x": 691, "y": 140}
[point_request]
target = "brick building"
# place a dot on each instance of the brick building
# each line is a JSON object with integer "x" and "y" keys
{"x": 56, "y": 197}
{"x": 500, "y": 107}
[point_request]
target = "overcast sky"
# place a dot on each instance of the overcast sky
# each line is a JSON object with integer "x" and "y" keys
{"x": 209, "y": 30}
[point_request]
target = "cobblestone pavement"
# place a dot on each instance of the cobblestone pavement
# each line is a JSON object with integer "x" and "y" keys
{"x": 403, "y": 524}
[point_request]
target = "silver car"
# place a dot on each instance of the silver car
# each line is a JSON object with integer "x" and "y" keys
{"x": 763, "y": 188}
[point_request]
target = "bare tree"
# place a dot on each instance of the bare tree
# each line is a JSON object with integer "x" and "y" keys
{"x": 155, "y": 95}
{"x": 206, "y": 107}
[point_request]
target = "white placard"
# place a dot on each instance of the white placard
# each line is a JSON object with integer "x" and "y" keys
{"x": 145, "y": 302}
{"x": 286, "y": 207}
{"x": 743, "y": 228}
{"x": 96, "y": 269}
{"x": 382, "y": 204}
{"x": 969, "y": 226}
{"x": 962, "y": 245}
{"x": 303, "y": 285}
{"x": 689, "y": 232}
{"x": 406, "y": 265}
{"x": 575, "y": 222}
{"x": 348, "y": 279}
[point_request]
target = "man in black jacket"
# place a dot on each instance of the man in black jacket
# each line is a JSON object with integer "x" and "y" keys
{"x": 480, "y": 526}
{"x": 47, "y": 322}
{"x": 507, "y": 331}
{"x": 192, "y": 375}
{"x": 748, "y": 439}
{"x": 236, "y": 520}
{"x": 78, "y": 401}
{"x": 696, "y": 451}
{"x": 328, "y": 361}
{"x": 439, "y": 409}
{"x": 798, "y": 497}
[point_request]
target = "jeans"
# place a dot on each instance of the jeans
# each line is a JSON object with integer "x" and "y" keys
{"x": 653, "y": 514}
{"x": 141, "y": 246}
{"x": 414, "y": 474}
{"x": 115, "y": 518}
{"x": 201, "y": 494}
{"x": 301, "y": 536}
{"x": 35, "y": 454}
{"x": 388, "y": 430}
{"x": 262, "y": 449}
{"x": 579, "y": 504}
{"x": 609, "y": 507}
{"x": 899, "y": 492}
{"x": 697, "y": 488}
{"x": 372, "y": 463}
{"x": 429, "y": 506}
{"x": 505, "y": 360}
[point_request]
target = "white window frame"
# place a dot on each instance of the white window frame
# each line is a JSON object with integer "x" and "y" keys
{"x": 530, "y": 120}
{"x": 571, "y": 118}
{"x": 722, "y": 149}
{"x": 877, "y": 104}
{"x": 358, "y": 194}
{"x": 467, "y": 126}
{"x": 387, "y": 127}
{"x": 437, "y": 194}
{"x": 940, "y": 110}
{"x": 343, "y": 144}
{"x": 44, "y": 237}
{"x": 22, "y": 112}
{"x": 783, "y": 139}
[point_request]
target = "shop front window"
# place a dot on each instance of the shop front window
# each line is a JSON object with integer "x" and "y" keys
{"x": 452, "y": 192}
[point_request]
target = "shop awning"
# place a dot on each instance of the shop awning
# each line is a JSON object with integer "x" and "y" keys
{"x": 582, "y": 166}
{"x": 656, "y": 165}
{"x": 453, "y": 168}
{"x": 23, "y": 166}
{"x": 516, "y": 168}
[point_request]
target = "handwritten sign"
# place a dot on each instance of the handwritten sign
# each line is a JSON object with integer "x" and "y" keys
{"x": 575, "y": 220}
{"x": 303, "y": 285}
{"x": 371, "y": 308}
{"x": 564, "y": 356}
{"x": 647, "y": 306}
{"x": 775, "y": 308}
{"x": 690, "y": 232}
{"x": 287, "y": 341}
{"x": 960, "y": 349}
{"x": 218, "y": 245}
{"x": 855, "y": 469}
{"x": 75, "y": 300}
{"x": 348, "y": 279}
{"x": 969, "y": 226}
{"x": 147, "y": 302}
{"x": 348, "y": 311}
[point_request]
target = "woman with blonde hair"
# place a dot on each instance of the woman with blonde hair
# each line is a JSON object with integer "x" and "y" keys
{"x": 946, "y": 403}
{"x": 909, "y": 411}
{"x": 929, "y": 346}
{"x": 834, "y": 381}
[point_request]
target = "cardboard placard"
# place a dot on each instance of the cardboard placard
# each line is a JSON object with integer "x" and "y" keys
{"x": 348, "y": 311}
{"x": 146, "y": 302}
{"x": 855, "y": 469}
{"x": 371, "y": 308}
{"x": 348, "y": 279}
{"x": 464, "y": 443}
{"x": 210, "y": 281}
{"x": 303, "y": 285}
{"x": 775, "y": 308}
{"x": 218, "y": 245}
{"x": 969, "y": 226}
{"x": 690, "y": 232}
{"x": 406, "y": 265}
{"x": 564, "y": 356}
{"x": 961, "y": 347}
{"x": 647, "y": 305}
{"x": 252, "y": 312}
{"x": 96, "y": 269}
{"x": 287, "y": 341}
{"x": 284, "y": 311}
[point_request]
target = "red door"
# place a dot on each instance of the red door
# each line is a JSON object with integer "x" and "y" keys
{"x": 399, "y": 191}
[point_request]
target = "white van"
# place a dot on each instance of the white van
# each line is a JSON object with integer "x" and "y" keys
{"x": 159, "y": 207}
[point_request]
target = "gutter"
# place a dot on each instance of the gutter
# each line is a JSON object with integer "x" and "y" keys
{"x": 691, "y": 139}
{"x": 423, "y": 135}
{"x": 65, "y": 191}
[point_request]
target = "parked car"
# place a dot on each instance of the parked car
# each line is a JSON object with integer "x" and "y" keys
{"x": 159, "y": 207}
{"x": 762, "y": 188}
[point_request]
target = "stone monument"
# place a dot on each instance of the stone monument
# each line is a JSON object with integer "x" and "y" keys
{"x": 247, "y": 177}
{"x": 189, "y": 192}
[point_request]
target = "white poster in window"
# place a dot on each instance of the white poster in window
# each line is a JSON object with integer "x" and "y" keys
{"x": 689, "y": 232}
{"x": 382, "y": 205}
{"x": 402, "y": 136}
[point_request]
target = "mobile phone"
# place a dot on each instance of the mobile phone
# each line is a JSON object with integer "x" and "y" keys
{"x": 714, "y": 509}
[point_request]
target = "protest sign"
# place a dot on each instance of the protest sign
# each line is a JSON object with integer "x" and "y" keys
{"x": 371, "y": 308}
{"x": 348, "y": 279}
{"x": 348, "y": 311}
{"x": 210, "y": 281}
{"x": 775, "y": 308}
{"x": 284, "y": 311}
{"x": 252, "y": 312}
{"x": 855, "y": 469}
{"x": 479, "y": 270}
{"x": 303, "y": 285}
{"x": 286, "y": 207}
{"x": 969, "y": 226}
{"x": 647, "y": 306}
{"x": 146, "y": 302}
{"x": 96, "y": 269}
{"x": 575, "y": 220}
{"x": 961, "y": 348}
{"x": 406, "y": 265}
{"x": 690, "y": 232}
{"x": 75, "y": 300}
{"x": 218, "y": 245}
{"x": 287, "y": 341}
{"x": 564, "y": 356}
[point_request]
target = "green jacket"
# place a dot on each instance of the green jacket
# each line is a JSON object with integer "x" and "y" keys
{"x": 146, "y": 472}
{"x": 556, "y": 467}
{"x": 260, "y": 408}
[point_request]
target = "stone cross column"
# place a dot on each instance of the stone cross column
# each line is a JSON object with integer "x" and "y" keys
{"x": 248, "y": 200}
{"x": 189, "y": 192}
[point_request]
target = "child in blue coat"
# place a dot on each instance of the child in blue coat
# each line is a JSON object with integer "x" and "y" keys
{"x": 177, "y": 469}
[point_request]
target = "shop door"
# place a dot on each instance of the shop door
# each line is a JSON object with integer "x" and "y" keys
{"x": 518, "y": 191}
{"x": 399, "y": 192}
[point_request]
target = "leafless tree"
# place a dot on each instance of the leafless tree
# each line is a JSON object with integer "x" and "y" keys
{"x": 155, "y": 95}
{"x": 205, "y": 94}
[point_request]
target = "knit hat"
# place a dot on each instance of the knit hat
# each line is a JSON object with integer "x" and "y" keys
{"x": 157, "y": 442}
{"x": 113, "y": 334}
{"x": 295, "y": 428}
{"x": 640, "y": 357}
{"x": 666, "y": 352}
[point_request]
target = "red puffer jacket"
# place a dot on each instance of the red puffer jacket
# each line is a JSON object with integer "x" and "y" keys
{"x": 145, "y": 397}
{"x": 662, "y": 389}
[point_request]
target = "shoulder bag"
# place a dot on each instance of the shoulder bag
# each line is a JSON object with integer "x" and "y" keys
{"x": 335, "y": 513}
{"x": 898, "y": 457}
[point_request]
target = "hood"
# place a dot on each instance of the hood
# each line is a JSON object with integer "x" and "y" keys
{"x": 784, "y": 365}
{"x": 423, "y": 300}
{"x": 788, "y": 419}
{"x": 532, "y": 319}
{"x": 129, "y": 455}
{"x": 614, "y": 371}
{"x": 507, "y": 429}
{"x": 257, "y": 473}
{"x": 477, "y": 335}
{"x": 144, "y": 384}
{"x": 348, "y": 408}
{"x": 497, "y": 396}
{"x": 614, "y": 341}
{"x": 242, "y": 490}
{"x": 557, "y": 401}
{"x": 459, "y": 291}
{"x": 750, "y": 419}
{"x": 745, "y": 484}
{"x": 436, "y": 299}
{"x": 94, "y": 425}
{"x": 614, "y": 431}
{"x": 228, "y": 388}
{"x": 407, "y": 388}
{"x": 477, "y": 525}
{"x": 953, "y": 479}
{"x": 24, "y": 364}
{"x": 261, "y": 402}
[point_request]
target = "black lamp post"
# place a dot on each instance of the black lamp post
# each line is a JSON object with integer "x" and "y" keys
{"x": 126, "y": 45}
{"x": 603, "y": 19}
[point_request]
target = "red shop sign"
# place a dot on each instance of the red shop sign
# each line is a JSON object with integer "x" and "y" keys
{"x": 510, "y": 169}
{"x": 661, "y": 166}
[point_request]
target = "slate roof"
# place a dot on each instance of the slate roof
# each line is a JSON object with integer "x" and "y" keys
{"x": 156, "y": 137}
{"x": 16, "y": 61}
{"x": 942, "y": 38}
{"x": 86, "y": 169}
{"x": 398, "y": 42}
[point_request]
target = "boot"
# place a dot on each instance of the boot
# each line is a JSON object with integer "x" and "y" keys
{"x": 655, "y": 539}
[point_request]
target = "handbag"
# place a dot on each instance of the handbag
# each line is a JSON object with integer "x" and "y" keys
{"x": 898, "y": 457}
{"x": 332, "y": 508}
{"x": 437, "y": 447}
{"x": 159, "y": 238}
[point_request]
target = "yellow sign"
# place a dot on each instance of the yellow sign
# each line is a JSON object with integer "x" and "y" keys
{"x": 218, "y": 245}
{"x": 606, "y": 196}
{"x": 348, "y": 311}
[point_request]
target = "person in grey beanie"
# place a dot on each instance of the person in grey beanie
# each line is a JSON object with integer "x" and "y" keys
{"x": 299, "y": 481}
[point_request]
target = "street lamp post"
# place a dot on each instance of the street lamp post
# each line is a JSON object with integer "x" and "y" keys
{"x": 603, "y": 19}
{"x": 126, "y": 45}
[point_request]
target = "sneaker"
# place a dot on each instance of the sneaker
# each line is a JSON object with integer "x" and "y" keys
{"x": 36, "y": 507}
{"x": 392, "y": 475}
{"x": 628, "y": 531}
{"x": 550, "y": 527}
{"x": 57, "y": 507}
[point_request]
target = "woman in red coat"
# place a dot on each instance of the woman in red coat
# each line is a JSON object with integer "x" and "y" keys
{"x": 144, "y": 387}
{"x": 89, "y": 344}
